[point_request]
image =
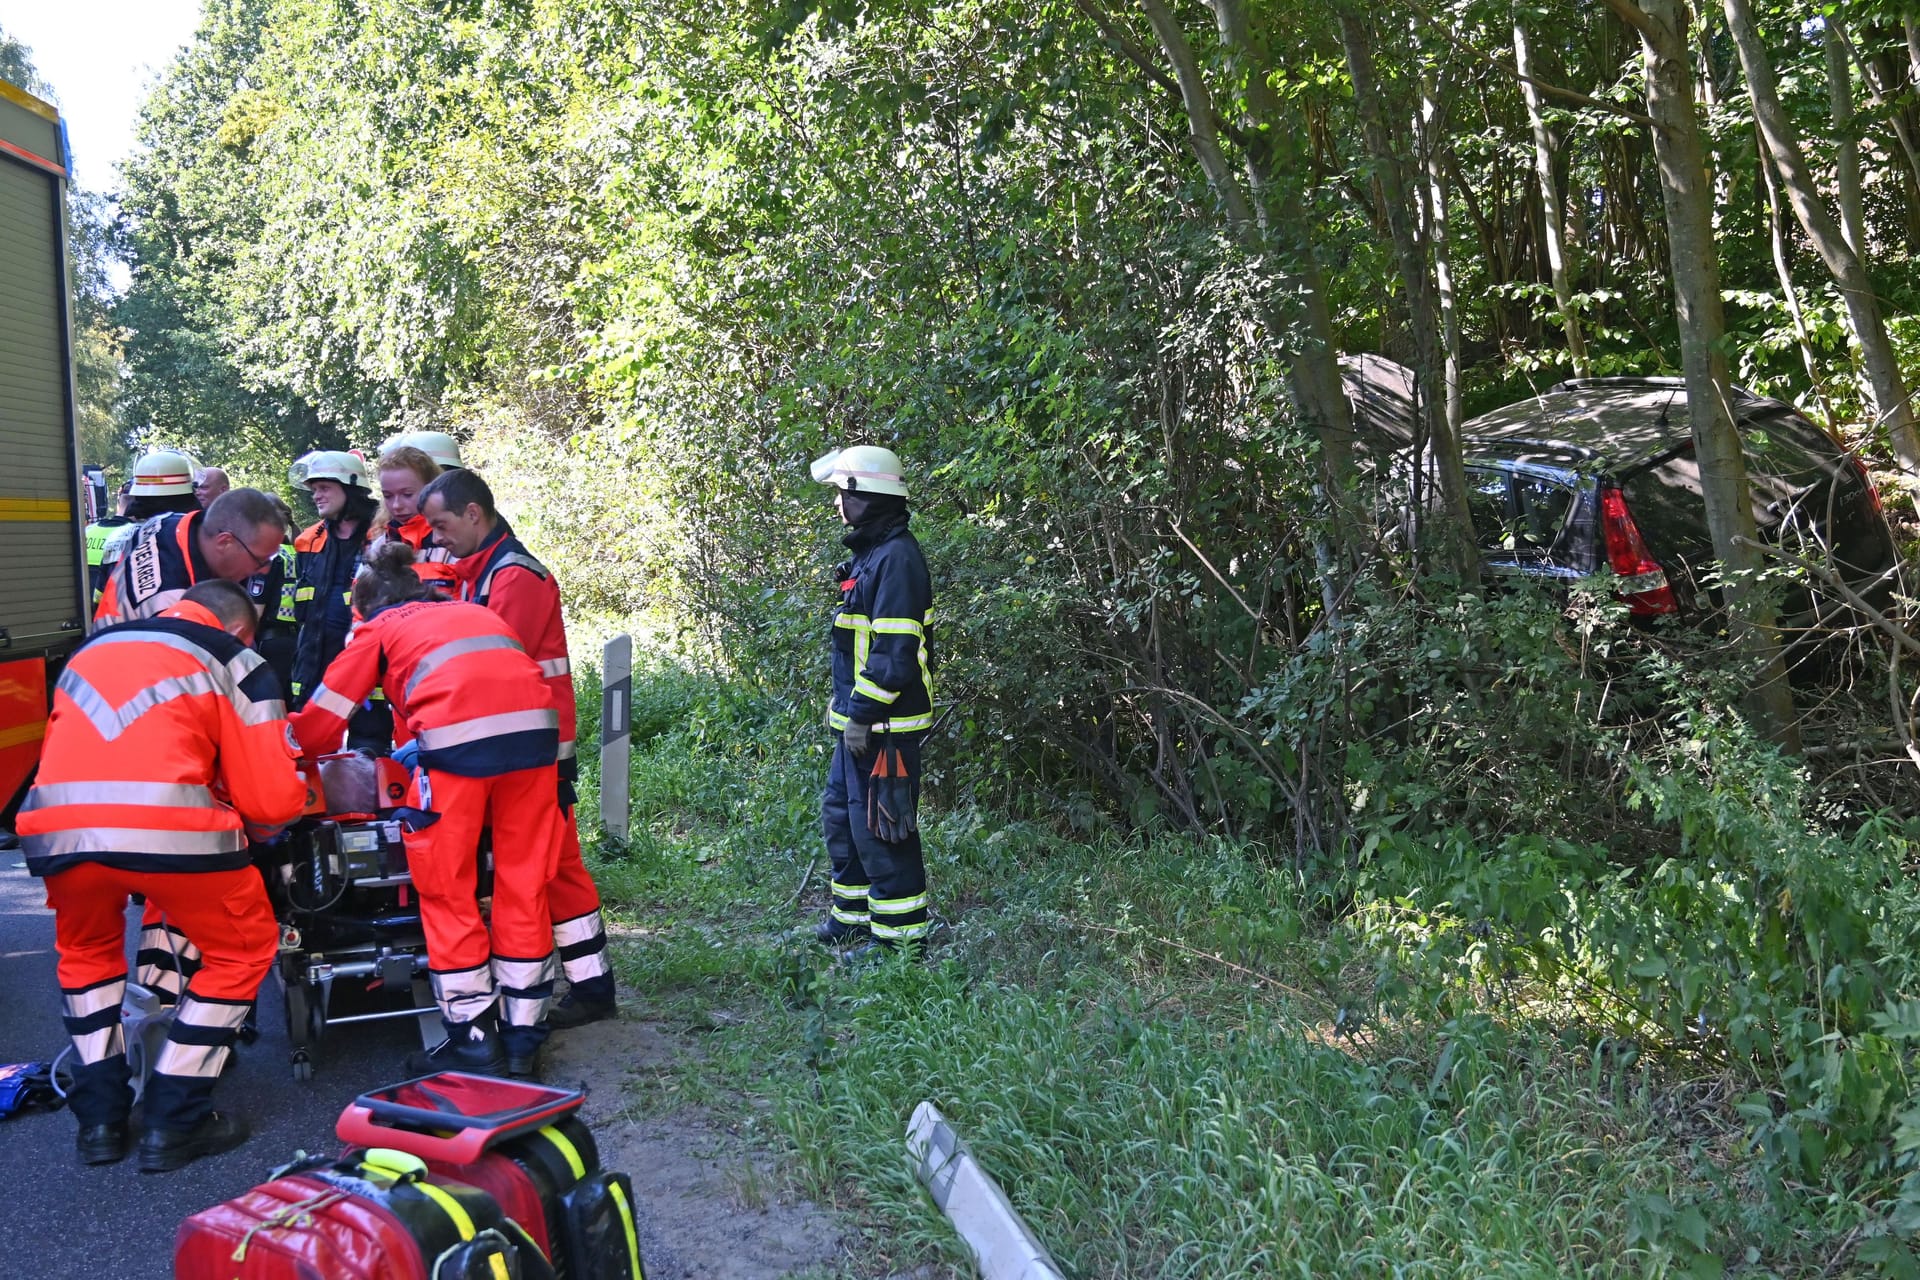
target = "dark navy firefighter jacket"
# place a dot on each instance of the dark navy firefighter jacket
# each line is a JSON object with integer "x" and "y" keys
{"x": 882, "y": 668}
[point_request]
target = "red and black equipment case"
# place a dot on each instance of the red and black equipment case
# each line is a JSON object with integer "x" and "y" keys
{"x": 525, "y": 1145}
{"x": 376, "y": 1215}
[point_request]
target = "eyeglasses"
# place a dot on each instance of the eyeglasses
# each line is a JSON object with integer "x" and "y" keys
{"x": 260, "y": 563}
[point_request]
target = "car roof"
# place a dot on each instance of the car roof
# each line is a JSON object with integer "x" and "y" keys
{"x": 1625, "y": 422}
{"x": 1616, "y": 424}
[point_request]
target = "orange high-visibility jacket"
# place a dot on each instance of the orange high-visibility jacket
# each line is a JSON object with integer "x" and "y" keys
{"x": 432, "y": 563}
{"x": 504, "y": 576}
{"x": 459, "y": 683}
{"x": 167, "y": 737}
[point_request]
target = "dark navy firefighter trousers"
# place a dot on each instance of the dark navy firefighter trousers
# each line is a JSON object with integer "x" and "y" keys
{"x": 875, "y": 884}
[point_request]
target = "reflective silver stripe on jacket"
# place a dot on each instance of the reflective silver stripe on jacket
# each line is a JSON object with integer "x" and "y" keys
{"x": 58, "y": 844}
{"x": 553, "y": 667}
{"x": 166, "y": 795}
{"x": 512, "y": 560}
{"x": 219, "y": 678}
{"x": 566, "y": 749}
{"x": 335, "y": 703}
{"x": 465, "y": 731}
{"x": 452, "y": 649}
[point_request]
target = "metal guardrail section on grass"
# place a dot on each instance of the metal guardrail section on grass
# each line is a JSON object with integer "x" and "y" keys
{"x": 1002, "y": 1244}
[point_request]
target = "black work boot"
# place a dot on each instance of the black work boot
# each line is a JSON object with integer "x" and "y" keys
{"x": 871, "y": 955}
{"x": 102, "y": 1143}
{"x": 470, "y": 1046}
{"x": 589, "y": 1001}
{"x": 164, "y": 1150}
{"x": 829, "y": 933}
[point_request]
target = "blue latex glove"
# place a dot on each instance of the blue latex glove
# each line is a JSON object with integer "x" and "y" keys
{"x": 408, "y": 757}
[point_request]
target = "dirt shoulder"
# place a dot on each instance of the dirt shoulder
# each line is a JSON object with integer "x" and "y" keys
{"x": 709, "y": 1205}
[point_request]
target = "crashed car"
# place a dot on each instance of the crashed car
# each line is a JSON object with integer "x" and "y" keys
{"x": 1599, "y": 473}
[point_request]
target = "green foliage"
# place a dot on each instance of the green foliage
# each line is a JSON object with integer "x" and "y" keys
{"x": 650, "y": 260}
{"x": 1174, "y": 1069}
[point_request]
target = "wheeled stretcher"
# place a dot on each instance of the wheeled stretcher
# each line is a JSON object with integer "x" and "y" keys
{"x": 351, "y": 944}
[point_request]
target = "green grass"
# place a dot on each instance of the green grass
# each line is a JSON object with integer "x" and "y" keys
{"x": 1144, "y": 1042}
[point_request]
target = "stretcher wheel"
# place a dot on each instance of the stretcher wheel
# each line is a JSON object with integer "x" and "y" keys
{"x": 302, "y": 1066}
{"x": 299, "y": 1016}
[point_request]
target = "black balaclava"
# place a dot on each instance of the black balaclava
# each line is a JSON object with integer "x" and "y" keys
{"x": 870, "y": 513}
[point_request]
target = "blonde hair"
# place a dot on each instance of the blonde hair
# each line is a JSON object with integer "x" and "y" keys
{"x": 404, "y": 457}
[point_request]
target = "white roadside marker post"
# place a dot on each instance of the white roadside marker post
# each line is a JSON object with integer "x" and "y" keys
{"x": 616, "y": 735}
{"x": 1002, "y": 1244}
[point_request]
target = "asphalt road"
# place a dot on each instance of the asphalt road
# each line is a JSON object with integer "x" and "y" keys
{"x": 61, "y": 1220}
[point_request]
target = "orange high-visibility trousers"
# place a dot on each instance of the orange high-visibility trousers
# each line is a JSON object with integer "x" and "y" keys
{"x": 225, "y": 914}
{"x": 579, "y": 933}
{"x": 514, "y": 960}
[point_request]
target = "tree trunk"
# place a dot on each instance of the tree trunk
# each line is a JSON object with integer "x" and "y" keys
{"x": 1439, "y": 232}
{"x": 1457, "y": 547}
{"x": 1783, "y": 146}
{"x": 1777, "y": 232}
{"x": 1556, "y": 241}
{"x": 1688, "y": 198}
{"x": 1846, "y": 148}
{"x": 1314, "y": 385}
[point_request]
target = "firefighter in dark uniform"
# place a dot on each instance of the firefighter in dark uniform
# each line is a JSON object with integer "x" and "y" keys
{"x": 882, "y": 704}
{"x": 327, "y": 556}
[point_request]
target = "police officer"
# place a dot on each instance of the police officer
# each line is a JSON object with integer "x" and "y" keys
{"x": 166, "y": 746}
{"x": 496, "y": 570}
{"x": 882, "y": 698}
{"x": 98, "y": 534}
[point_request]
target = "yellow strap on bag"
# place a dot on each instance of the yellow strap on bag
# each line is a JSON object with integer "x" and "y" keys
{"x": 462, "y": 1223}
{"x": 626, "y": 1220}
{"x": 567, "y": 1150}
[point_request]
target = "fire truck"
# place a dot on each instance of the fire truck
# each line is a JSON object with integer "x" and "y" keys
{"x": 43, "y": 588}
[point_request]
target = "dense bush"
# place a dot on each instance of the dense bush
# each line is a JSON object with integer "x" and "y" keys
{"x": 650, "y": 260}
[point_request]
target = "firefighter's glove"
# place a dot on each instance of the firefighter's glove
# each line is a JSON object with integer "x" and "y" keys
{"x": 859, "y": 738}
{"x": 893, "y": 797}
{"x": 568, "y": 796}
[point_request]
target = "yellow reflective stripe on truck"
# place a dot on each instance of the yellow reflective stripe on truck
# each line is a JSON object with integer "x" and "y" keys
{"x": 36, "y": 510}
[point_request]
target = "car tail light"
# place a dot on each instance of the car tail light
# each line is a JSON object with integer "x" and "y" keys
{"x": 1643, "y": 583}
{"x": 1866, "y": 482}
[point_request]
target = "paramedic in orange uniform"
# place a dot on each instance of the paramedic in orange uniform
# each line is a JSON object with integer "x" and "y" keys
{"x": 167, "y": 743}
{"x": 473, "y": 712}
{"x": 497, "y": 570}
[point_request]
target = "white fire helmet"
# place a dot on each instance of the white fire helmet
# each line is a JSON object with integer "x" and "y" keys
{"x": 864, "y": 468}
{"x": 330, "y": 464}
{"x": 438, "y": 445}
{"x": 163, "y": 473}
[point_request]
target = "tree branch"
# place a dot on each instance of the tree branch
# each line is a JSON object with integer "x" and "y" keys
{"x": 1551, "y": 90}
{"x": 1140, "y": 58}
{"x": 1634, "y": 16}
